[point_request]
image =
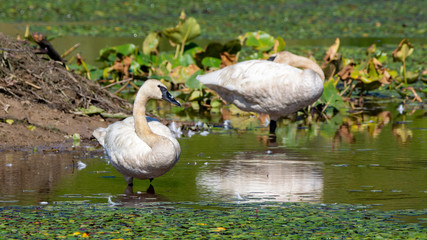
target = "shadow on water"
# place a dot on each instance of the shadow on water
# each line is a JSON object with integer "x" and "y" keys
{"x": 375, "y": 158}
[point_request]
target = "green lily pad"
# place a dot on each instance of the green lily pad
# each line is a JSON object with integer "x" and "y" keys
{"x": 186, "y": 30}
{"x": 260, "y": 40}
{"x": 192, "y": 82}
{"x": 331, "y": 96}
{"x": 207, "y": 219}
{"x": 404, "y": 50}
{"x": 126, "y": 49}
{"x": 151, "y": 42}
{"x": 211, "y": 62}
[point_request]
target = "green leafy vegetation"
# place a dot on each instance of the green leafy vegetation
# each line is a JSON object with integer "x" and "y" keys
{"x": 125, "y": 67}
{"x": 206, "y": 220}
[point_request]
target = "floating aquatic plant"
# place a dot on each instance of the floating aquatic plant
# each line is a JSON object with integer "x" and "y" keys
{"x": 205, "y": 219}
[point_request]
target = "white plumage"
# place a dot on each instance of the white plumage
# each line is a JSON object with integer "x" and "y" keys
{"x": 139, "y": 146}
{"x": 277, "y": 88}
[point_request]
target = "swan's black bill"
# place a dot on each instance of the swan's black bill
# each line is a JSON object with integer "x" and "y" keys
{"x": 167, "y": 96}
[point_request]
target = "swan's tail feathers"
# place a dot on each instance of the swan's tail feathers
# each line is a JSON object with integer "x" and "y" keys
{"x": 210, "y": 78}
{"x": 99, "y": 134}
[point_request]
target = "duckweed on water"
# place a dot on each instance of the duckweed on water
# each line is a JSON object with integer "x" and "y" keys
{"x": 290, "y": 19}
{"x": 206, "y": 220}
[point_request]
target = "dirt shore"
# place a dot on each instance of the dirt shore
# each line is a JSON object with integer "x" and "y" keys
{"x": 39, "y": 100}
{"x": 26, "y": 125}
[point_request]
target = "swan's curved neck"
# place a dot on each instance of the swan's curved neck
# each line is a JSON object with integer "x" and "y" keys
{"x": 309, "y": 64}
{"x": 299, "y": 62}
{"x": 141, "y": 125}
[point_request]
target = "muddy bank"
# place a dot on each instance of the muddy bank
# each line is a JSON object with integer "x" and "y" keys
{"x": 26, "y": 125}
{"x": 40, "y": 100}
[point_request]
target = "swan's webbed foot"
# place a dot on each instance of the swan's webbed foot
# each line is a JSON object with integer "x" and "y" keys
{"x": 129, "y": 190}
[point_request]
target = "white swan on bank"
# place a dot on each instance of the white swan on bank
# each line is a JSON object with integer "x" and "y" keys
{"x": 139, "y": 146}
{"x": 275, "y": 86}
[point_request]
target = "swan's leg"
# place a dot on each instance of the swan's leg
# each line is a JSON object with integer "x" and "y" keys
{"x": 129, "y": 180}
{"x": 273, "y": 125}
{"x": 150, "y": 189}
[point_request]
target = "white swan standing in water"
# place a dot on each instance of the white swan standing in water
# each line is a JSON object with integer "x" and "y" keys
{"x": 139, "y": 146}
{"x": 275, "y": 86}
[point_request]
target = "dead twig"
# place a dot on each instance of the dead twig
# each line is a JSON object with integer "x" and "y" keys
{"x": 32, "y": 85}
{"x": 28, "y": 78}
{"x": 119, "y": 82}
{"x": 69, "y": 74}
{"x": 40, "y": 98}
{"x": 123, "y": 87}
{"x": 13, "y": 50}
{"x": 416, "y": 97}
{"x": 134, "y": 85}
{"x": 66, "y": 53}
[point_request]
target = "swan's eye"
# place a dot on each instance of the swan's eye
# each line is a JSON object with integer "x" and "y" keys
{"x": 163, "y": 90}
{"x": 167, "y": 96}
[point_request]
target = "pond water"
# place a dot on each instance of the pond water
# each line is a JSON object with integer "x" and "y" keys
{"x": 90, "y": 46}
{"x": 377, "y": 157}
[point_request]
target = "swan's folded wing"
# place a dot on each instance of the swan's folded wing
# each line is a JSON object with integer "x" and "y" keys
{"x": 131, "y": 156}
{"x": 258, "y": 72}
{"x": 254, "y": 85}
{"x": 121, "y": 139}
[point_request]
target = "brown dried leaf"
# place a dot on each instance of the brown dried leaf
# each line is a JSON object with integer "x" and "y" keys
{"x": 180, "y": 74}
{"x": 386, "y": 79}
{"x": 127, "y": 61}
{"x": 332, "y": 51}
{"x": 118, "y": 66}
{"x": 79, "y": 59}
{"x": 227, "y": 59}
{"x": 378, "y": 65}
{"x": 122, "y": 66}
{"x": 345, "y": 73}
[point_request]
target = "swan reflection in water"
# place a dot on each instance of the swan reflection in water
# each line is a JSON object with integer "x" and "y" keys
{"x": 135, "y": 199}
{"x": 263, "y": 178}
